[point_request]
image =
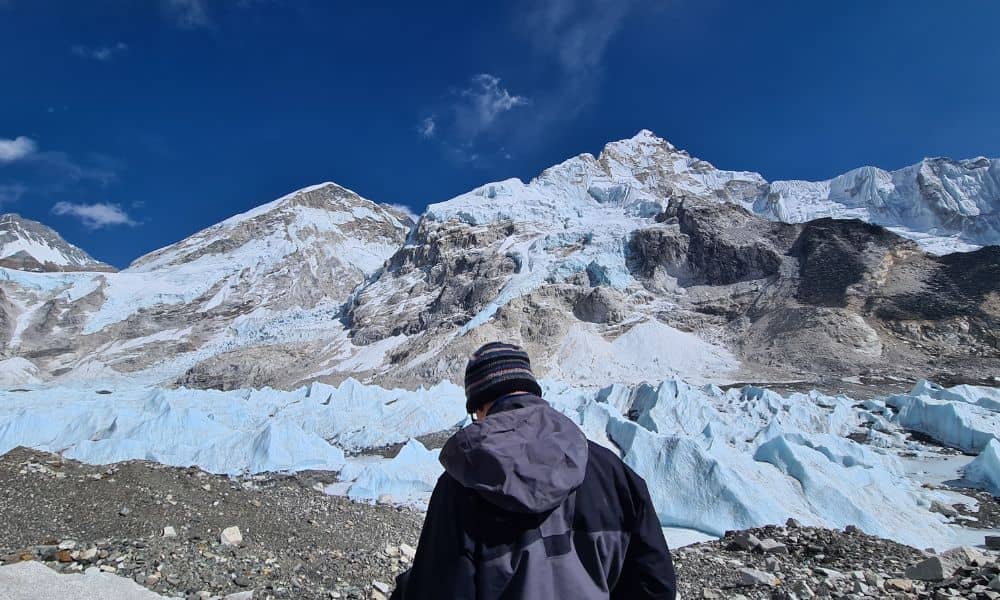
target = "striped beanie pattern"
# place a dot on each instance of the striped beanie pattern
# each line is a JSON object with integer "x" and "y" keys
{"x": 497, "y": 369}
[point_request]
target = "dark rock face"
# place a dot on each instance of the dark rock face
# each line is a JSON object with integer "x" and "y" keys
{"x": 827, "y": 296}
{"x": 598, "y": 306}
{"x": 6, "y": 320}
{"x": 707, "y": 244}
{"x": 834, "y": 255}
{"x": 728, "y": 245}
{"x": 454, "y": 271}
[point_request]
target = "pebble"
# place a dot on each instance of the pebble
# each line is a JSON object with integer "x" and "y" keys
{"x": 231, "y": 536}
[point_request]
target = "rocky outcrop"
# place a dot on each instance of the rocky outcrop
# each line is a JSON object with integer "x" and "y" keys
{"x": 445, "y": 275}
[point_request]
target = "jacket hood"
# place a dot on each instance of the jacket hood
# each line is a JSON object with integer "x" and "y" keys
{"x": 525, "y": 457}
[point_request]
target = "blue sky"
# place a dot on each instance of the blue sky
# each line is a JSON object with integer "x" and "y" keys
{"x": 129, "y": 124}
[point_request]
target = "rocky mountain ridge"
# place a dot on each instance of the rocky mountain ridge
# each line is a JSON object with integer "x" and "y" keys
{"x": 637, "y": 264}
{"x": 31, "y": 246}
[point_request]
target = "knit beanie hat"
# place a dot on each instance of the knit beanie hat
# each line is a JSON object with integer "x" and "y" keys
{"x": 497, "y": 369}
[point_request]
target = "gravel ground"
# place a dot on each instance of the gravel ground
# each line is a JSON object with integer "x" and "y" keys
{"x": 297, "y": 542}
{"x": 300, "y": 543}
{"x": 806, "y": 562}
{"x": 988, "y": 514}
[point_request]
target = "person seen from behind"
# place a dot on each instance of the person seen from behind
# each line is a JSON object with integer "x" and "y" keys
{"x": 529, "y": 508}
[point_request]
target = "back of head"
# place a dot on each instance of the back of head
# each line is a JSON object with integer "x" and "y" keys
{"x": 526, "y": 457}
{"x": 497, "y": 369}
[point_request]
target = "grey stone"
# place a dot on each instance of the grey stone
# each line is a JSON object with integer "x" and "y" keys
{"x": 745, "y": 541}
{"x": 929, "y": 569}
{"x": 769, "y": 546}
{"x": 944, "y": 509}
{"x": 751, "y": 577}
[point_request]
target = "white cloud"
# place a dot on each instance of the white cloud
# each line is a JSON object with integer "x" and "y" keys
{"x": 468, "y": 114}
{"x": 16, "y": 149}
{"x": 187, "y": 14}
{"x": 95, "y": 216}
{"x": 101, "y": 53}
{"x": 406, "y": 210}
{"x": 427, "y": 127}
{"x": 480, "y": 104}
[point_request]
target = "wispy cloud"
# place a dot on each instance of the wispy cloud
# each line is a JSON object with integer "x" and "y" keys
{"x": 11, "y": 192}
{"x": 481, "y": 103}
{"x": 95, "y": 216}
{"x": 187, "y": 14}
{"x": 469, "y": 114}
{"x": 100, "y": 53}
{"x": 16, "y": 149}
{"x": 573, "y": 36}
{"x": 52, "y": 170}
{"x": 575, "y": 33}
{"x": 427, "y": 127}
{"x": 406, "y": 210}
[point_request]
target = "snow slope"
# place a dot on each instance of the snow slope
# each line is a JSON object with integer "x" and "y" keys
{"x": 276, "y": 274}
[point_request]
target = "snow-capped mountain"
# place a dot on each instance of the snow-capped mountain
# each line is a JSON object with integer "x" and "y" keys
{"x": 631, "y": 278}
{"x": 273, "y": 279}
{"x": 638, "y": 264}
{"x": 31, "y": 246}
{"x": 946, "y": 205}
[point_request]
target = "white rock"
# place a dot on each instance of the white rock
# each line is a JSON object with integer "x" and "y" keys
{"x": 169, "y": 532}
{"x": 231, "y": 536}
{"x": 88, "y": 555}
{"x": 408, "y": 552}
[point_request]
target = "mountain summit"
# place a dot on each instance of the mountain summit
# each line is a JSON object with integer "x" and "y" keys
{"x": 638, "y": 264}
{"x": 31, "y": 246}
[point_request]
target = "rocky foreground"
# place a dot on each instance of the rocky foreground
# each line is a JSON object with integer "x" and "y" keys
{"x": 185, "y": 533}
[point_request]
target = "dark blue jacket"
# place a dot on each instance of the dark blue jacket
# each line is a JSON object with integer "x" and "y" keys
{"x": 528, "y": 508}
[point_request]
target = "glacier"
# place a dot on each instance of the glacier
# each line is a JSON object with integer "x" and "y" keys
{"x": 964, "y": 417}
{"x": 985, "y": 469}
{"x": 714, "y": 459}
